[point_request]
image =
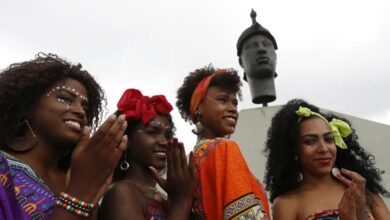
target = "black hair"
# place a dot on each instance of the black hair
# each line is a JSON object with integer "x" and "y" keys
{"x": 22, "y": 84}
{"x": 282, "y": 146}
{"x": 229, "y": 81}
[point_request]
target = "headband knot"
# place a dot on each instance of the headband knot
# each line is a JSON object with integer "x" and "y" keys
{"x": 340, "y": 129}
{"x": 137, "y": 106}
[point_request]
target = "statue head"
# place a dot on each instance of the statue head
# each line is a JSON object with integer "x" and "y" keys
{"x": 256, "y": 50}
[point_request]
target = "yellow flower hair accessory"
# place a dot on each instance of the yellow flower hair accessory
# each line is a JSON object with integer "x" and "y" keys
{"x": 340, "y": 129}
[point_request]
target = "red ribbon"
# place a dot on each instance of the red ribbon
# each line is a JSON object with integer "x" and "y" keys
{"x": 137, "y": 106}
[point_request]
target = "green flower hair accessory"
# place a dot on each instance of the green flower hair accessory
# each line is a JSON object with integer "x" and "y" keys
{"x": 340, "y": 129}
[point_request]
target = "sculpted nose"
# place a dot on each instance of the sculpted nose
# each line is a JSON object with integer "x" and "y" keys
{"x": 261, "y": 50}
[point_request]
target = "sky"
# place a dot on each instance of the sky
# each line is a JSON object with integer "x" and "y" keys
{"x": 335, "y": 54}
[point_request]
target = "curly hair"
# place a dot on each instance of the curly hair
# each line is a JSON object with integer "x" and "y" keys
{"x": 22, "y": 84}
{"x": 283, "y": 170}
{"x": 230, "y": 82}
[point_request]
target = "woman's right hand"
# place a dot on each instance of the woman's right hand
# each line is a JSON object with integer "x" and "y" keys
{"x": 95, "y": 158}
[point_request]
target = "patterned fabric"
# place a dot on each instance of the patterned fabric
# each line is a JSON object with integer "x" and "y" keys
{"x": 225, "y": 187}
{"x": 332, "y": 214}
{"x": 23, "y": 195}
{"x": 155, "y": 210}
{"x": 325, "y": 215}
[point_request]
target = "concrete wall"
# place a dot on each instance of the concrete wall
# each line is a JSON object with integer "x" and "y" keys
{"x": 253, "y": 125}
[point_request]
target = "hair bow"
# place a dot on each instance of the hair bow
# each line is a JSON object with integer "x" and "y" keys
{"x": 340, "y": 129}
{"x": 137, "y": 106}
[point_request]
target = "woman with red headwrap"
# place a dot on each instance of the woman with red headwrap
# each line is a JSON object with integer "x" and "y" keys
{"x": 151, "y": 146}
{"x": 224, "y": 186}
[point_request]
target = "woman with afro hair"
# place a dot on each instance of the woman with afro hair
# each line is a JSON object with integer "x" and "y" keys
{"x": 50, "y": 166}
{"x": 224, "y": 186}
{"x": 306, "y": 151}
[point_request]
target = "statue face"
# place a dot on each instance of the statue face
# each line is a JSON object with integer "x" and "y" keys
{"x": 258, "y": 57}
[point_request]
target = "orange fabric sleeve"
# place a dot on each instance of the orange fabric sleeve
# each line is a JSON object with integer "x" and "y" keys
{"x": 228, "y": 187}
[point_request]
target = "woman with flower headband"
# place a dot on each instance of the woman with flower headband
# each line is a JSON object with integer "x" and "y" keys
{"x": 306, "y": 151}
{"x": 151, "y": 146}
{"x": 50, "y": 167}
{"x": 224, "y": 186}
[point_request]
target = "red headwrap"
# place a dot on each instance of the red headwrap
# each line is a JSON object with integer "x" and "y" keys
{"x": 136, "y": 106}
{"x": 200, "y": 92}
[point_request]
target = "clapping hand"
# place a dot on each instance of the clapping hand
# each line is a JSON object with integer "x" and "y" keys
{"x": 354, "y": 198}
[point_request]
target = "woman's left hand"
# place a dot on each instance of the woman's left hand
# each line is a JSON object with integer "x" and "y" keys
{"x": 179, "y": 183}
{"x": 357, "y": 184}
{"x": 347, "y": 206}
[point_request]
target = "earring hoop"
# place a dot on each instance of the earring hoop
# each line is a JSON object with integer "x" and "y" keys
{"x": 198, "y": 125}
{"x": 124, "y": 164}
{"x": 21, "y": 144}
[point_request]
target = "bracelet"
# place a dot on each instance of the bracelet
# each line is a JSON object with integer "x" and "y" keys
{"x": 77, "y": 201}
{"x": 72, "y": 204}
{"x": 72, "y": 209}
{"x": 75, "y": 205}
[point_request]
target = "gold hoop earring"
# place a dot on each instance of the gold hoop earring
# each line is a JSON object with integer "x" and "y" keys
{"x": 23, "y": 143}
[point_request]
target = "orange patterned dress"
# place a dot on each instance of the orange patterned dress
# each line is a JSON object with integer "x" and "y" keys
{"x": 225, "y": 187}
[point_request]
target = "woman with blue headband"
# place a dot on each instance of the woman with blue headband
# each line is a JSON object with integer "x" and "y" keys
{"x": 306, "y": 151}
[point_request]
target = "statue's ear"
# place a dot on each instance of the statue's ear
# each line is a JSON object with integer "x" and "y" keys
{"x": 240, "y": 62}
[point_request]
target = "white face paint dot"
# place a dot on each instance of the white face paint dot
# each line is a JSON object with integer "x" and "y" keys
{"x": 69, "y": 89}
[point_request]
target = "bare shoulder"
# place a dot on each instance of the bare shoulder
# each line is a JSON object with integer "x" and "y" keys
{"x": 122, "y": 190}
{"x": 378, "y": 207}
{"x": 285, "y": 207}
{"x": 122, "y": 200}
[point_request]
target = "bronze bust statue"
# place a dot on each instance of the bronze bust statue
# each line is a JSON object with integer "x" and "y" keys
{"x": 256, "y": 51}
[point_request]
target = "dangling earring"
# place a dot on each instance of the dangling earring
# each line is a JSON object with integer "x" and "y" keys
{"x": 300, "y": 177}
{"x": 124, "y": 164}
{"x": 198, "y": 125}
{"x": 23, "y": 143}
